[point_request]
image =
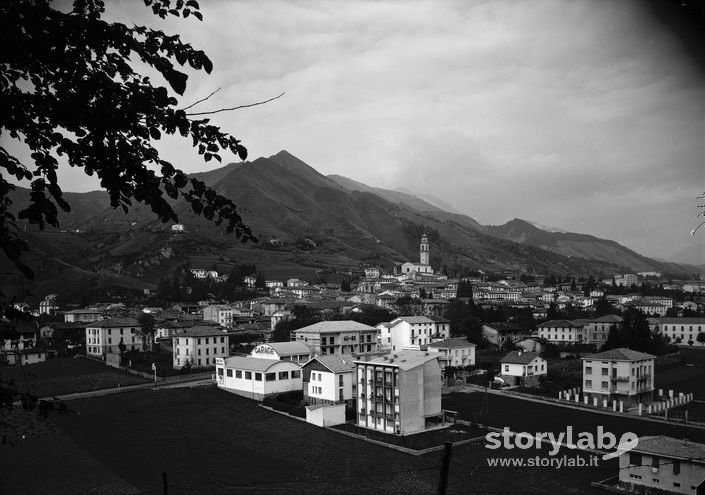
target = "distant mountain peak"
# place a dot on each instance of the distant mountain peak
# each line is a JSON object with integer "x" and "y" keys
{"x": 545, "y": 228}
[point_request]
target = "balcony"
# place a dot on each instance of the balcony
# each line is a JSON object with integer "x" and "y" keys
{"x": 620, "y": 379}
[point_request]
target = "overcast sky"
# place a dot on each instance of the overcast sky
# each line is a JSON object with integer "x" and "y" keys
{"x": 584, "y": 115}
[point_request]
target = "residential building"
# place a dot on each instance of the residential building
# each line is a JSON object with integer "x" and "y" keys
{"x": 277, "y": 316}
{"x": 222, "y": 314}
{"x": 532, "y": 344}
{"x": 412, "y": 332}
{"x": 297, "y": 352}
{"x": 522, "y": 368}
{"x": 86, "y": 315}
{"x": 330, "y": 380}
{"x": 619, "y": 374}
{"x": 562, "y": 332}
{"x": 104, "y": 337}
{"x": 457, "y": 352}
{"x": 338, "y": 337}
{"x": 256, "y": 378}
{"x": 597, "y": 330}
{"x": 661, "y": 464}
{"x": 678, "y": 330}
{"x": 399, "y": 393}
{"x": 372, "y": 272}
{"x": 503, "y": 334}
{"x": 200, "y": 346}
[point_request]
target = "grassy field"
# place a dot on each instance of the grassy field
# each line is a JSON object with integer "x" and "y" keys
{"x": 209, "y": 441}
{"x": 66, "y": 375}
{"x": 535, "y": 417}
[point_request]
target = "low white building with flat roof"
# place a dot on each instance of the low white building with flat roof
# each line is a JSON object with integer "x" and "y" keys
{"x": 256, "y": 378}
{"x": 297, "y": 352}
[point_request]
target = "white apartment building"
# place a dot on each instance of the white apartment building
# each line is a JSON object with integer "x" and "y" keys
{"x": 412, "y": 332}
{"x": 562, "y": 332}
{"x": 200, "y": 346}
{"x": 399, "y": 393}
{"x": 678, "y": 330}
{"x": 103, "y": 337}
{"x": 619, "y": 374}
{"x": 330, "y": 380}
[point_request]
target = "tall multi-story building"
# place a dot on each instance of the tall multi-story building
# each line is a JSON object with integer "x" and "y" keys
{"x": 399, "y": 393}
{"x": 338, "y": 337}
{"x": 619, "y": 374}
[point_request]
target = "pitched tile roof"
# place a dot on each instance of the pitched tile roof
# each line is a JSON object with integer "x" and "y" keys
{"x": 201, "y": 331}
{"x": 115, "y": 322}
{"x": 455, "y": 343}
{"x": 289, "y": 348}
{"x": 620, "y": 354}
{"x": 519, "y": 357}
{"x": 671, "y": 447}
{"x": 337, "y": 363}
{"x": 335, "y": 326}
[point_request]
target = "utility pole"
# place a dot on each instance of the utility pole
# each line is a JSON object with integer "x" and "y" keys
{"x": 445, "y": 464}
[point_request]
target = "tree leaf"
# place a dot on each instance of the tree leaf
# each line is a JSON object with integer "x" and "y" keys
{"x": 177, "y": 81}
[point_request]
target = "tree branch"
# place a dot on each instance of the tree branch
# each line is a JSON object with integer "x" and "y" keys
{"x": 236, "y": 108}
{"x": 201, "y": 100}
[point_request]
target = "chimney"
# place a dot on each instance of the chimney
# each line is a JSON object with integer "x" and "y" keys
{"x": 519, "y": 353}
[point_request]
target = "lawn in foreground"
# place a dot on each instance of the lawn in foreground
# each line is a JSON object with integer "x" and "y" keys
{"x": 61, "y": 376}
{"x": 532, "y": 417}
{"x": 209, "y": 441}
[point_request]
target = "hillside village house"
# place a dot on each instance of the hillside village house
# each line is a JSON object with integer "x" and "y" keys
{"x": 680, "y": 330}
{"x": 502, "y": 334}
{"x": 48, "y": 305}
{"x": 522, "y": 368}
{"x": 330, "y": 380}
{"x": 256, "y": 378}
{"x": 200, "y": 346}
{"x": 562, "y": 332}
{"x": 83, "y": 315}
{"x": 619, "y": 374}
{"x": 338, "y": 337}
{"x": 399, "y": 393}
{"x": 661, "y": 464}
{"x": 222, "y": 314}
{"x": 412, "y": 332}
{"x": 103, "y": 337}
{"x": 457, "y": 352}
{"x": 296, "y": 352}
{"x": 278, "y": 316}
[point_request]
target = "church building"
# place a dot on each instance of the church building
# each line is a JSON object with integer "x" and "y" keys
{"x": 423, "y": 266}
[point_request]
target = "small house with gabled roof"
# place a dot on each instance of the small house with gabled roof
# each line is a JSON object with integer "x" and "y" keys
{"x": 523, "y": 368}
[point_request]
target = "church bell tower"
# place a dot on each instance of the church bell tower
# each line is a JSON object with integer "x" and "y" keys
{"x": 423, "y": 251}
